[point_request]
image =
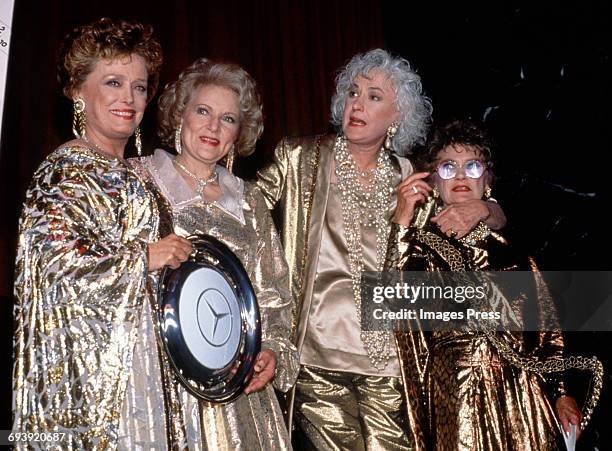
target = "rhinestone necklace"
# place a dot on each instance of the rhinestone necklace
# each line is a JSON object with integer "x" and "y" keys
{"x": 365, "y": 208}
{"x": 201, "y": 183}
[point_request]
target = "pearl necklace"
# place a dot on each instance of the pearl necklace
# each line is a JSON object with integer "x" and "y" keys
{"x": 201, "y": 183}
{"x": 367, "y": 207}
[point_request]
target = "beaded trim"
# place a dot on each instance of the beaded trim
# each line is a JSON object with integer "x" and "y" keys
{"x": 480, "y": 232}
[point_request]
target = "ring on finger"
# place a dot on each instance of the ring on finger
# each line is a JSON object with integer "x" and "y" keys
{"x": 453, "y": 234}
{"x": 414, "y": 188}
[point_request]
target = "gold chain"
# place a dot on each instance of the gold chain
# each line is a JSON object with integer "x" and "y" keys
{"x": 556, "y": 365}
{"x": 443, "y": 247}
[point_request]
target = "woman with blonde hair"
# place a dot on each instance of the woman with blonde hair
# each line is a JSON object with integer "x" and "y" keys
{"x": 210, "y": 115}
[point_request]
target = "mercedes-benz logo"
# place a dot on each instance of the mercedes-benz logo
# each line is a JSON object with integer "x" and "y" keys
{"x": 214, "y": 317}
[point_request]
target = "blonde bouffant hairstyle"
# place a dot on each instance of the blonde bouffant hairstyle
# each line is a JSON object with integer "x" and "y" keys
{"x": 202, "y": 72}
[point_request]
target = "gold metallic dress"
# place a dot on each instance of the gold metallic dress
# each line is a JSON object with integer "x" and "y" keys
{"x": 87, "y": 360}
{"x": 461, "y": 393}
{"x": 241, "y": 220}
{"x": 81, "y": 289}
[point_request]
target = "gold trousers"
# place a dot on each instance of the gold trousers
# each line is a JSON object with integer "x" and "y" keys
{"x": 346, "y": 411}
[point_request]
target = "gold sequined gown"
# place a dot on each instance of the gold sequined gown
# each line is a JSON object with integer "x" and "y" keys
{"x": 87, "y": 359}
{"x": 461, "y": 394}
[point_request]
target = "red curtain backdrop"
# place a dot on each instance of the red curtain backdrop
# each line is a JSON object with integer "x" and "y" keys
{"x": 292, "y": 48}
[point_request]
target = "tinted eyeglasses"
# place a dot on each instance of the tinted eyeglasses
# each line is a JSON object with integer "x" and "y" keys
{"x": 472, "y": 168}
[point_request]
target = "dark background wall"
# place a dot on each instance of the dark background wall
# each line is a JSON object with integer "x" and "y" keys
{"x": 538, "y": 72}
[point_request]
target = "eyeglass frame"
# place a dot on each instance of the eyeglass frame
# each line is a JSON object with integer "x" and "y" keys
{"x": 458, "y": 166}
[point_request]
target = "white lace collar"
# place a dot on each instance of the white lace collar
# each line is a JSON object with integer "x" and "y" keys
{"x": 181, "y": 195}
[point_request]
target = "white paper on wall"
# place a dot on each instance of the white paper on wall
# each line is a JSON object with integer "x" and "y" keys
{"x": 6, "y": 19}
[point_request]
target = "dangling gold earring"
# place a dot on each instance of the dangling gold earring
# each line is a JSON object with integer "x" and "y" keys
{"x": 138, "y": 140}
{"x": 487, "y": 192}
{"x": 229, "y": 160}
{"x": 79, "y": 119}
{"x": 391, "y": 131}
{"x": 435, "y": 193}
{"x": 177, "y": 139}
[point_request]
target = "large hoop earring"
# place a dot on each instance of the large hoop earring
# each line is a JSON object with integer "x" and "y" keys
{"x": 229, "y": 159}
{"x": 177, "y": 138}
{"x": 138, "y": 137}
{"x": 391, "y": 131}
{"x": 79, "y": 119}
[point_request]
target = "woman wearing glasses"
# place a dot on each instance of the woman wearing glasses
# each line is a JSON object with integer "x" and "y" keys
{"x": 471, "y": 388}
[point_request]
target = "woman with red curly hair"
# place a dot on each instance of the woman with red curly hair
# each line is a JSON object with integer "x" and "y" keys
{"x": 88, "y": 240}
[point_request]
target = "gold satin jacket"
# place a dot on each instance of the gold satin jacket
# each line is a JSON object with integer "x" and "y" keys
{"x": 298, "y": 181}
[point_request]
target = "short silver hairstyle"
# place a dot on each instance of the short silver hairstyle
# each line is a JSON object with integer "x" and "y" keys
{"x": 414, "y": 107}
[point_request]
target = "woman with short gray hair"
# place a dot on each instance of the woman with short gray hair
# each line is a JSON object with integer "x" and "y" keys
{"x": 414, "y": 108}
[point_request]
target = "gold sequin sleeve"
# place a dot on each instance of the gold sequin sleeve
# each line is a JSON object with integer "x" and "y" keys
{"x": 398, "y": 247}
{"x": 271, "y": 284}
{"x": 80, "y": 285}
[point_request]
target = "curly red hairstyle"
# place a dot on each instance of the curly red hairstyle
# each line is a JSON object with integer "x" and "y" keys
{"x": 107, "y": 39}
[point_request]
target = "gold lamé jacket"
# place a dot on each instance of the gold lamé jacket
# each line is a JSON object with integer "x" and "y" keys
{"x": 461, "y": 393}
{"x": 298, "y": 181}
